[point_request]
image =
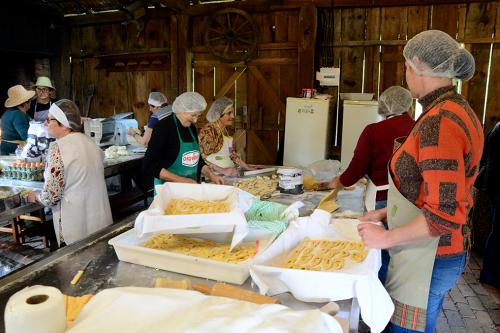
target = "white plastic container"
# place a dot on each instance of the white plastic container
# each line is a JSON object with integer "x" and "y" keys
{"x": 291, "y": 180}
{"x": 128, "y": 247}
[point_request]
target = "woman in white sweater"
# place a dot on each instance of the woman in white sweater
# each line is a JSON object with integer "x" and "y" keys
{"x": 74, "y": 185}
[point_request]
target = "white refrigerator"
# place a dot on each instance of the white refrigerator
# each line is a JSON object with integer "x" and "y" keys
{"x": 357, "y": 114}
{"x": 307, "y": 131}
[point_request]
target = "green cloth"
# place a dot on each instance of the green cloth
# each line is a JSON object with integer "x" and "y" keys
{"x": 15, "y": 124}
{"x": 266, "y": 215}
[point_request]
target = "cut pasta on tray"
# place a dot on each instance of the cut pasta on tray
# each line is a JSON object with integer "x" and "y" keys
{"x": 325, "y": 255}
{"x": 201, "y": 248}
{"x": 190, "y": 206}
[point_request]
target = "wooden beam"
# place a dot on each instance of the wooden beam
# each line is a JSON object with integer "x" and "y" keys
{"x": 174, "y": 55}
{"x": 296, "y": 4}
{"x": 229, "y": 83}
{"x": 363, "y": 43}
{"x": 255, "y": 62}
{"x": 261, "y": 47}
{"x": 184, "y": 53}
{"x": 208, "y": 9}
{"x": 268, "y": 89}
{"x": 113, "y": 17}
{"x": 306, "y": 38}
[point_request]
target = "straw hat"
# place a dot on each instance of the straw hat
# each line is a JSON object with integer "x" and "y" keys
{"x": 43, "y": 81}
{"x": 18, "y": 95}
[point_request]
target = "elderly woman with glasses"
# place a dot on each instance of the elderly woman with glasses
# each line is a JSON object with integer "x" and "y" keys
{"x": 216, "y": 144}
{"x": 173, "y": 153}
{"x": 74, "y": 177}
{"x": 159, "y": 107}
{"x": 15, "y": 121}
{"x": 39, "y": 108}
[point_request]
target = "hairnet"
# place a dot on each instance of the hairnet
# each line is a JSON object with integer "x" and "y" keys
{"x": 435, "y": 53}
{"x": 394, "y": 100}
{"x": 156, "y": 98}
{"x": 71, "y": 112}
{"x": 217, "y": 108}
{"x": 189, "y": 102}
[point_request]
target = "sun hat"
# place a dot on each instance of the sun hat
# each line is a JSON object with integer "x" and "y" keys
{"x": 17, "y": 95}
{"x": 43, "y": 81}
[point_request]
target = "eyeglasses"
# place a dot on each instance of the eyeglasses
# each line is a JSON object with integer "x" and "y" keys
{"x": 44, "y": 89}
{"x": 48, "y": 120}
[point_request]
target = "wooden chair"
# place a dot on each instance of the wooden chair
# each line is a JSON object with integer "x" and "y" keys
{"x": 19, "y": 229}
{"x": 40, "y": 224}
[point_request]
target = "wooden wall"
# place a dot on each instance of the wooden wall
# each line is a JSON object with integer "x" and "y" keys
{"x": 121, "y": 82}
{"x": 259, "y": 87}
{"x": 169, "y": 55}
{"x": 348, "y": 37}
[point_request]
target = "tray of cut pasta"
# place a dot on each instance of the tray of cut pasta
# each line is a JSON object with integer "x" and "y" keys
{"x": 203, "y": 255}
{"x": 194, "y": 208}
{"x": 319, "y": 260}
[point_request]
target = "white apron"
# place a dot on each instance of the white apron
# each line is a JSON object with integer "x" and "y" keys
{"x": 222, "y": 158}
{"x": 371, "y": 194}
{"x": 84, "y": 207}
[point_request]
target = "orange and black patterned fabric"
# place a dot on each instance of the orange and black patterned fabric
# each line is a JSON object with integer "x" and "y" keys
{"x": 211, "y": 138}
{"x": 437, "y": 164}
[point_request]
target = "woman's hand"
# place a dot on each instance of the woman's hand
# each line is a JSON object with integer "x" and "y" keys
{"x": 335, "y": 182}
{"x": 374, "y": 236}
{"x": 32, "y": 197}
{"x": 379, "y": 215}
{"x": 133, "y": 131}
{"x": 213, "y": 177}
{"x": 188, "y": 181}
{"x": 230, "y": 172}
{"x": 217, "y": 179}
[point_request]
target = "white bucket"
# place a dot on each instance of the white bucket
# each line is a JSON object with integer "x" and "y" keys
{"x": 291, "y": 181}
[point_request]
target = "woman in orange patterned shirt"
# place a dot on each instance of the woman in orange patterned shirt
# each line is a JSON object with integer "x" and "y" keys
{"x": 431, "y": 173}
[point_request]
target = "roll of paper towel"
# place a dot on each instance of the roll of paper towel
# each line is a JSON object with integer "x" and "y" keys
{"x": 36, "y": 309}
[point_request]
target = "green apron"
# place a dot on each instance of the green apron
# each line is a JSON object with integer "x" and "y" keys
{"x": 411, "y": 265}
{"x": 186, "y": 163}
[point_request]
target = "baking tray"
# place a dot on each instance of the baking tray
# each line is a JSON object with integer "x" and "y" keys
{"x": 128, "y": 247}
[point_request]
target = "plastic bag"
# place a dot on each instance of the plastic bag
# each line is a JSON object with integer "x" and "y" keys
{"x": 323, "y": 170}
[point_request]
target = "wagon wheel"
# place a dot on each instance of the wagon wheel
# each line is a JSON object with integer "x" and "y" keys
{"x": 231, "y": 35}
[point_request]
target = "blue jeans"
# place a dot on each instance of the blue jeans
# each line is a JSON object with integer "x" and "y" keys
{"x": 490, "y": 273}
{"x": 382, "y": 273}
{"x": 445, "y": 275}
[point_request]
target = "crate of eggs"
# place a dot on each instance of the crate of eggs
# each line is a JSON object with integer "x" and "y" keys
{"x": 24, "y": 171}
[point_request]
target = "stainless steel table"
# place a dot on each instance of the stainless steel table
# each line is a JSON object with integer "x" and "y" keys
{"x": 106, "y": 271}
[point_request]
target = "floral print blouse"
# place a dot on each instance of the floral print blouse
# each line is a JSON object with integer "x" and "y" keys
{"x": 211, "y": 138}
{"x": 54, "y": 177}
